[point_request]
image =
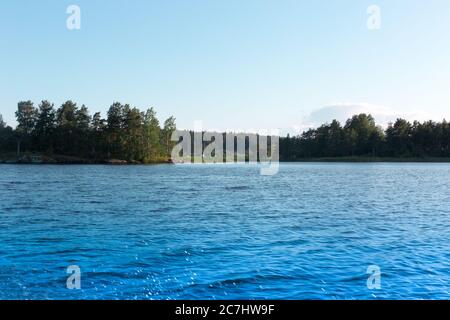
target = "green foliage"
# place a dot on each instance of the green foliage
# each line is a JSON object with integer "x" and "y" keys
{"x": 2, "y": 123}
{"x": 132, "y": 135}
{"x": 169, "y": 128}
{"x": 7, "y": 139}
{"x": 398, "y": 136}
{"x": 45, "y": 126}
{"x": 82, "y": 119}
{"x": 126, "y": 134}
{"x": 26, "y": 116}
{"x": 361, "y": 137}
{"x": 66, "y": 115}
{"x": 152, "y": 134}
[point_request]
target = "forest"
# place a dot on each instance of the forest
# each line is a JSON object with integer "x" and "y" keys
{"x": 71, "y": 134}
{"x": 361, "y": 137}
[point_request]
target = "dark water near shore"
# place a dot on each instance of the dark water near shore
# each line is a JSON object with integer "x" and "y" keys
{"x": 225, "y": 232}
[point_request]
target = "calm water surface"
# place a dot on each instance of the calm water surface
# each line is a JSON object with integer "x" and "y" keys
{"x": 225, "y": 232}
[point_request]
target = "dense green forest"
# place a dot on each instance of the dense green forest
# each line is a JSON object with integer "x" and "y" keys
{"x": 135, "y": 136}
{"x": 361, "y": 137}
{"x": 127, "y": 133}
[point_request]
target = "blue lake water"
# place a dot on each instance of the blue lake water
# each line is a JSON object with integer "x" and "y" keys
{"x": 225, "y": 232}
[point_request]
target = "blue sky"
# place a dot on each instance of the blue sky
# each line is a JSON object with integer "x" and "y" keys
{"x": 235, "y": 64}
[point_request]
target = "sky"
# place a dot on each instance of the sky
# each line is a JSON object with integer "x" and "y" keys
{"x": 234, "y": 64}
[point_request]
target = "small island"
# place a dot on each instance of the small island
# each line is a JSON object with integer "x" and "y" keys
{"x": 70, "y": 135}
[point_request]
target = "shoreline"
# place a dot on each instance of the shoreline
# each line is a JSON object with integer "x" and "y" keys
{"x": 114, "y": 162}
{"x": 38, "y": 159}
{"x": 371, "y": 160}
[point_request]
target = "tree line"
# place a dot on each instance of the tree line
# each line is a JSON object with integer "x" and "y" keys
{"x": 130, "y": 134}
{"x": 360, "y": 136}
{"x": 127, "y": 133}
